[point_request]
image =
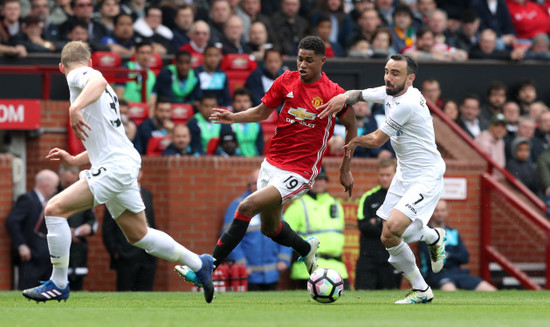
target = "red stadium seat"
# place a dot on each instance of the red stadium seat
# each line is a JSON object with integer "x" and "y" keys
{"x": 156, "y": 63}
{"x": 138, "y": 112}
{"x": 181, "y": 112}
{"x": 270, "y": 124}
{"x": 157, "y": 145}
{"x": 237, "y": 67}
{"x": 106, "y": 59}
{"x": 212, "y": 146}
{"x": 75, "y": 145}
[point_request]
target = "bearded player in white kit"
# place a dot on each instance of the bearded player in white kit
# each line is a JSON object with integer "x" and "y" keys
{"x": 418, "y": 182}
{"x": 112, "y": 180}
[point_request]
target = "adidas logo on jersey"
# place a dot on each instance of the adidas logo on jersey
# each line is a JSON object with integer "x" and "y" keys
{"x": 290, "y": 95}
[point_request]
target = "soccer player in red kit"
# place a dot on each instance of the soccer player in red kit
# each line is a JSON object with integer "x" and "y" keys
{"x": 295, "y": 155}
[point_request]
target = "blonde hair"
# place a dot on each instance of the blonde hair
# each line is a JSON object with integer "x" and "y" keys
{"x": 75, "y": 52}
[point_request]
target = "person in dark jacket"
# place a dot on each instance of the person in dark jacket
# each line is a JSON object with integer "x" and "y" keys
{"x": 135, "y": 268}
{"x": 373, "y": 271}
{"x": 262, "y": 78}
{"x": 521, "y": 165}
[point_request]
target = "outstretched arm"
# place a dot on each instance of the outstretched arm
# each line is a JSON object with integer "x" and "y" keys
{"x": 346, "y": 178}
{"x": 57, "y": 154}
{"x": 373, "y": 140}
{"x": 251, "y": 115}
{"x": 337, "y": 103}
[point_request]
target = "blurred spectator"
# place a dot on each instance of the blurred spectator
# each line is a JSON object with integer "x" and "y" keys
{"x": 452, "y": 10}
{"x": 199, "y": 36}
{"x": 529, "y": 18}
{"x": 181, "y": 141}
{"x": 359, "y": 7}
{"x": 83, "y": 9}
{"x": 82, "y": 224}
{"x": 129, "y": 125}
{"x": 360, "y": 48}
{"x": 220, "y": 11}
{"x": 452, "y": 276}
{"x": 150, "y": 27}
{"x": 535, "y": 109}
{"x": 157, "y": 126}
{"x": 470, "y": 119}
{"x": 31, "y": 37}
{"x": 450, "y": 108}
{"x": 404, "y": 32}
{"x": 178, "y": 81}
{"x": 289, "y": 27}
{"x": 78, "y": 31}
{"x": 253, "y": 9}
{"x": 486, "y": 48}
{"x": 212, "y": 79}
{"x": 373, "y": 271}
{"x": 324, "y": 29}
{"x": 233, "y": 36}
{"x": 10, "y": 24}
{"x": 203, "y": 130}
{"x": 264, "y": 259}
{"x": 431, "y": 90}
{"x": 249, "y": 136}
{"x": 27, "y": 230}
{"x": 260, "y": 80}
{"x": 425, "y": 8}
{"x": 438, "y": 24}
{"x": 494, "y": 15}
{"x": 511, "y": 112}
{"x": 60, "y": 12}
{"x": 135, "y": 268}
{"x": 521, "y": 165}
{"x": 368, "y": 23}
{"x": 258, "y": 37}
{"x": 123, "y": 40}
{"x": 496, "y": 97}
{"x": 41, "y": 9}
{"x": 18, "y": 51}
{"x": 543, "y": 128}
{"x": 492, "y": 140}
{"x": 381, "y": 44}
{"x": 131, "y": 91}
{"x": 385, "y": 8}
{"x": 526, "y": 129}
{"x": 367, "y": 122}
{"x": 341, "y": 23}
{"x": 228, "y": 145}
{"x": 135, "y": 8}
{"x": 540, "y": 48}
{"x": 427, "y": 49}
{"x": 108, "y": 10}
{"x": 526, "y": 94}
{"x": 183, "y": 21}
{"x": 318, "y": 213}
{"x": 467, "y": 36}
{"x": 237, "y": 10}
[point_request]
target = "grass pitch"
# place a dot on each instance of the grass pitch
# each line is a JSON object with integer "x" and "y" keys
{"x": 285, "y": 308}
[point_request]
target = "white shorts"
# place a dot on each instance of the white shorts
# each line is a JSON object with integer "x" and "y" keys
{"x": 289, "y": 184}
{"x": 116, "y": 186}
{"x": 416, "y": 200}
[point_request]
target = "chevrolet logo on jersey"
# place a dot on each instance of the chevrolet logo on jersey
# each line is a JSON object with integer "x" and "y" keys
{"x": 301, "y": 114}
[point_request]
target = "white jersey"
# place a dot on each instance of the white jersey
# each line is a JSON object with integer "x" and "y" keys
{"x": 107, "y": 141}
{"x": 410, "y": 127}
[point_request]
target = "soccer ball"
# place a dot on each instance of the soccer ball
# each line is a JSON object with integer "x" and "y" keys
{"x": 325, "y": 285}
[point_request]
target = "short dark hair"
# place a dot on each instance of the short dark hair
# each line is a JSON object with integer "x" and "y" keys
{"x": 182, "y": 53}
{"x": 402, "y": 9}
{"x": 495, "y": 86}
{"x": 313, "y": 43}
{"x": 241, "y": 91}
{"x": 162, "y": 99}
{"x": 209, "y": 95}
{"x": 380, "y": 30}
{"x": 423, "y": 30}
{"x": 386, "y": 162}
{"x": 117, "y": 18}
{"x": 74, "y": 23}
{"x": 412, "y": 66}
{"x": 471, "y": 96}
{"x": 272, "y": 50}
{"x": 144, "y": 43}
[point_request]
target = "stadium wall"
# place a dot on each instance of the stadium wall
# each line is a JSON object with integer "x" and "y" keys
{"x": 192, "y": 193}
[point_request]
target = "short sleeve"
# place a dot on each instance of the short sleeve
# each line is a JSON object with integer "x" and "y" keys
{"x": 375, "y": 94}
{"x": 397, "y": 118}
{"x": 274, "y": 96}
{"x": 79, "y": 77}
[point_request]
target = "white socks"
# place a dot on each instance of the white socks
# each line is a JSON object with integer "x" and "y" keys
{"x": 59, "y": 243}
{"x": 161, "y": 245}
{"x": 402, "y": 258}
{"x": 417, "y": 231}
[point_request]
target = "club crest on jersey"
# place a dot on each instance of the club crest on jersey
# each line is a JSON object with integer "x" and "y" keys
{"x": 301, "y": 114}
{"x": 317, "y": 101}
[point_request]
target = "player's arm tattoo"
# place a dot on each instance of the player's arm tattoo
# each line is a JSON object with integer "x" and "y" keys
{"x": 352, "y": 97}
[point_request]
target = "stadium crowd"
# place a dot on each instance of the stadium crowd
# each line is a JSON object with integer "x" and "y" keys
{"x": 227, "y": 53}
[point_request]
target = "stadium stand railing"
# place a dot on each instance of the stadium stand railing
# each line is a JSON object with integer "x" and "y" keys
{"x": 491, "y": 186}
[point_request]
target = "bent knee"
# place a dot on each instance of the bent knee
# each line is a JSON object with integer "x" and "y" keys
{"x": 53, "y": 208}
{"x": 247, "y": 207}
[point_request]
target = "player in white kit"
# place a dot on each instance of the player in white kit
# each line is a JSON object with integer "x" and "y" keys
{"x": 112, "y": 180}
{"x": 418, "y": 182}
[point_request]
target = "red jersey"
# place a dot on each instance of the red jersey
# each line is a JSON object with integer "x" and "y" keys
{"x": 301, "y": 138}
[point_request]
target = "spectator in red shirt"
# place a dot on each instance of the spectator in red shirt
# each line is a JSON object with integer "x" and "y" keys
{"x": 529, "y": 18}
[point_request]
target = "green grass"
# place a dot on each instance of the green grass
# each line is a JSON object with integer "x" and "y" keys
{"x": 288, "y": 308}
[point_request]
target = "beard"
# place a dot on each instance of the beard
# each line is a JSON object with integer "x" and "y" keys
{"x": 395, "y": 90}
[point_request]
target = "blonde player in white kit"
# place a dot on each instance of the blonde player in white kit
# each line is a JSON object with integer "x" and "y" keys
{"x": 112, "y": 180}
{"x": 418, "y": 182}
